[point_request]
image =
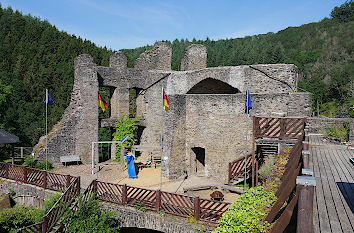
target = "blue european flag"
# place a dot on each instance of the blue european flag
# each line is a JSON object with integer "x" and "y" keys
{"x": 48, "y": 99}
{"x": 248, "y": 103}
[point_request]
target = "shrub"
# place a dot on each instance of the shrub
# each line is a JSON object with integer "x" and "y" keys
{"x": 90, "y": 218}
{"x": 32, "y": 163}
{"x": 18, "y": 217}
{"x": 338, "y": 132}
{"x": 12, "y": 193}
{"x": 246, "y": 214}
{"x": 266, "y": 169}
{"x": 29, "y": 162}
{"x": 41, "y": 165}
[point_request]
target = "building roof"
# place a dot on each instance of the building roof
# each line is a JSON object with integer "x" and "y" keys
{"x": 6, "y": 138}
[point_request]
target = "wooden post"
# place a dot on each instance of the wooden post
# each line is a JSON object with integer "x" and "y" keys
{"x": 229, "y": 176}
{"x": 158, "y": 199}
{"x": 305, "y": 145}
{"x": 255, "y": 127}
{"x": 94, "y": 188}
{"x": 196, "y": 208}
{"x": 306, "y": 159}
{"x": 305, "y": 188}
{"x": 124, "y": 194}
{"x": 44, "y": 224}
{"x": 25, "y": 175}
{"x": 13, "y": 154}
{"x": 282, "y": 128}
{"x": 44, "y": 179}
{"x": 6, "y": 170}
{"x": 253, "y": 147}
{"x": 253, "y": 158}
{"x": 256, "y": 173}
{"x": 78, "y": 186}
{"x": 68, "y": 179}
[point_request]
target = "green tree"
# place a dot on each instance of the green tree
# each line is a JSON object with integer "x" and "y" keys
{"x": 125, "y": 127}
{"x": 5, "y": 92}
{"x": 344, "y": 12}
{"x": 89, "y": 218}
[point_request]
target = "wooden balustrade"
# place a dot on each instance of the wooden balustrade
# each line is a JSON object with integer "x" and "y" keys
{"x": 157, "y": 200}
{"x": 281, "y": 127}
{"x": 40, "y": 178}
{"x": 59, "y": 208}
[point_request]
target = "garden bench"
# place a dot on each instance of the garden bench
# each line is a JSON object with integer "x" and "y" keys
{"x": 70, "y": 158}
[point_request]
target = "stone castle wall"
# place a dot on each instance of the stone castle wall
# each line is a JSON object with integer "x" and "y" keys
{"x": 79, "y": 124}
{"x": 131, "y": 217}
{"x": 196, "y": 119}
{"x": 217, "y": 123}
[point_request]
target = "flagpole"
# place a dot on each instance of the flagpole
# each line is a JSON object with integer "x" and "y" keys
{"x": 161, "y": 139}
{"x": 244, "y": 185}
{"x": 46, "y": 129}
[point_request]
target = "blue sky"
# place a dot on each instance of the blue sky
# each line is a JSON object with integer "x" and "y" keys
{"x": 120, "y": 24}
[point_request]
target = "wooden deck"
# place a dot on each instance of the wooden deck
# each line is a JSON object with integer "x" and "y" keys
{"x": 334, "y": 195}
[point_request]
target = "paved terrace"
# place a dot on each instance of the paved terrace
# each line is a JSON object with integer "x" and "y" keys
{"x": 334, "y": 195}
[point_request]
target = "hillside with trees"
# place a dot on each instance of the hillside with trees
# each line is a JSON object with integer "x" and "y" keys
{"x": 322, "y": 51}
{"x": 34, "y": 55}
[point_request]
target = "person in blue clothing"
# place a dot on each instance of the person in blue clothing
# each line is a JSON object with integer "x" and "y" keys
{"x": 131, "y": 166}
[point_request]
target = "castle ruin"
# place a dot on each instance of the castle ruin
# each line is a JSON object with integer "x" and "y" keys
{"x": 205, "y": 127}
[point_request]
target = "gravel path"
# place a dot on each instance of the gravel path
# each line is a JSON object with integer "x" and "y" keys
{"x": 149, "y": 178}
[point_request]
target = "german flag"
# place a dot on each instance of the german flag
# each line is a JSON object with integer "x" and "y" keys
{"x": 101, "y": 103}
{"x": 166, "y": 103}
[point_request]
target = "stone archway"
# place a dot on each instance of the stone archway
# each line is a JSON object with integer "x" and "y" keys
{"x": 212, "y": 86}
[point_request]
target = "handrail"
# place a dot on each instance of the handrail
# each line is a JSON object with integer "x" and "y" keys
{"x": 156, "y": 200}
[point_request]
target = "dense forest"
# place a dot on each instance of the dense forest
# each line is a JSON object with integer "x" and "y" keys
{"x": 35, "y": 55}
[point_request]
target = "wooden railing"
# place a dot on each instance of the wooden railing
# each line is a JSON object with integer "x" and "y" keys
{"x": 291, "y": 191}
{"x": 281, "y": 127}
{"x": 59, "y": 208}
{"x": 34, "y": 228}
{"x": 156, "y": 200}
{"x": 44, "y": 179}
{"x": 285, "y": 191}
{"x": 237, "y": 167}
{"x": 56, "y": 212}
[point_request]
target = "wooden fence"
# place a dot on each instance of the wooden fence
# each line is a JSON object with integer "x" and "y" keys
{"x": 291, "y": 192}
{"x": 281, "y": 127}
{"x": 286, "y": 190}
{"x": 237, "y": 167}
{"x": 26, "y": 175}
{"x": 46, "y": 180}
{"x": 56, "y": 212}
{"x": 156, "y": 200}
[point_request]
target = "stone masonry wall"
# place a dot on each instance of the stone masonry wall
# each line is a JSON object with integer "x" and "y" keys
{"x": 25, "y": 189}
{"x": 217, "y": 123}
{"x": 318, "y": 125}
{"x": 271, "y": 78}
{"x": 130, "y": 217}
{"x": 195, "y": 58}
{"x": 158, "y": 58}
{"x": 79, "y": 124}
